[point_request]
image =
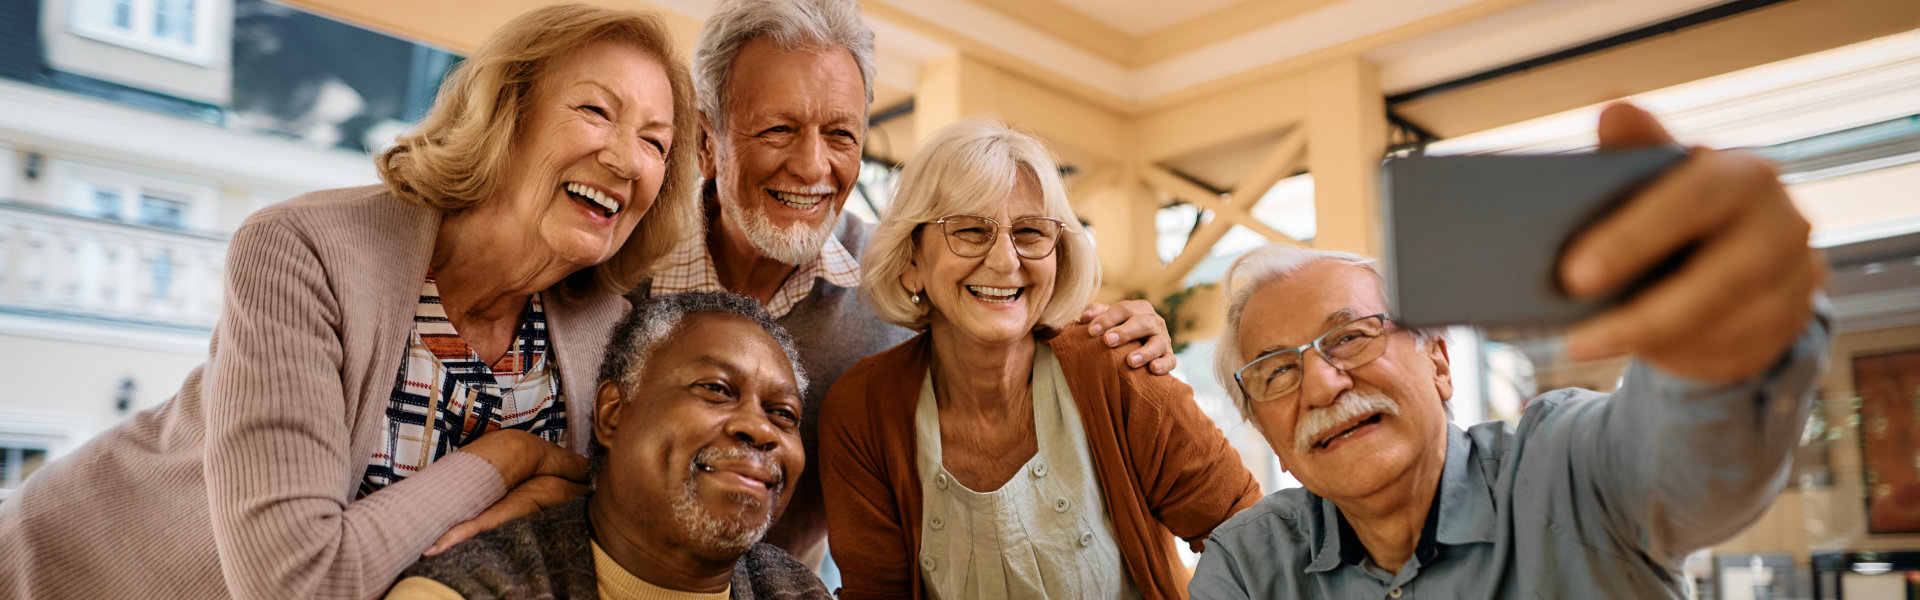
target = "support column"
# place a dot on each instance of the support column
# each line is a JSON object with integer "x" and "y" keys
{"x": 1346, "y": 139}
{"x": 952, "y": 88}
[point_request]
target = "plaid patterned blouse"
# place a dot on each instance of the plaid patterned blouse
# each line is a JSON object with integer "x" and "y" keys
{"x": 690, "y": 268}
{"x": 446, "y": 397}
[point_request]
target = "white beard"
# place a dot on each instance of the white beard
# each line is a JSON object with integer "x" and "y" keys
{"x": 795, "y": 244}
{"x": 716, "y": 535}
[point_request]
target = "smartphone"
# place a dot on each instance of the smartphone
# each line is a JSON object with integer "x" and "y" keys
{"x": 1477, "y": 239}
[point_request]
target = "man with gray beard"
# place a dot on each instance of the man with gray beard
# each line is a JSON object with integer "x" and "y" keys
{"x": 696, "y": 447}
{"x": 1591, "y": 495}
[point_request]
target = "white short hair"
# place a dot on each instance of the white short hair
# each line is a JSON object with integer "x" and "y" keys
{"x": 790, "y": 25}
{"x": 1256, "y": 269}
{"x": 968, "y": 167}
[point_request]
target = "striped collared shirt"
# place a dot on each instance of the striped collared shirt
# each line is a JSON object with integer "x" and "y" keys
{"x": 690, "y": 268}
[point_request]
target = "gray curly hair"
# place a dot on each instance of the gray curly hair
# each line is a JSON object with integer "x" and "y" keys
{"x": 655, "y": 319}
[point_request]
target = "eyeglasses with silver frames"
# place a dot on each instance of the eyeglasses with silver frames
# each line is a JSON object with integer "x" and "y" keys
{"x": 1277, "y": 374}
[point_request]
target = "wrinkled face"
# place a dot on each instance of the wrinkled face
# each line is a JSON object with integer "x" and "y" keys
{"x": 1339, "y": 434}
{"x": 589, "y": 155}
{"x": 995, "y": 298}
{"x": 787, "y": 155}
{"x": 704, "y": 450}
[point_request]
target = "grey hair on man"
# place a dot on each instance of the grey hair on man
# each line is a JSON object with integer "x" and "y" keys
{"x": 1259, "y": 268}
{"x": 655, "y": 319}
{"x": 790, "y": 25}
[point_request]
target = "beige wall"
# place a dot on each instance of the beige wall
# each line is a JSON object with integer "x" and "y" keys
{"x": 78, "y": 371}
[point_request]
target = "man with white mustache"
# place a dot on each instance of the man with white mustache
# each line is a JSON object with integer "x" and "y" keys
{"x": 696, "y": 427}
{"x": 783, "y": 91}
{"x": 1592, "y": 495}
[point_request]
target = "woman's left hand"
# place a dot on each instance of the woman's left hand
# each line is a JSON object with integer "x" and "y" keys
{"x": 1133, "y": 322}
{"x": 531, "y": 496}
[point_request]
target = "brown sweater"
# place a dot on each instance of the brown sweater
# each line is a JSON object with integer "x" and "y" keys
{"x": 1163, "y": 466}
{"x": 243, "y": 484}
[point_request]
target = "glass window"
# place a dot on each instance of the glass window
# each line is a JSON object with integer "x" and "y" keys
{"x": 1176, "y": 223}
{"x": 17, "y": 461}
{"x": 106, "y": 202}
{"x": 162, "y": 212}
{"x": 168, "y": 28}
{"x": 173, "y": 20}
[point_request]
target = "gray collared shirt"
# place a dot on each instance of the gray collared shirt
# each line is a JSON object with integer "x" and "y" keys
{"x": 1592, "y": 496}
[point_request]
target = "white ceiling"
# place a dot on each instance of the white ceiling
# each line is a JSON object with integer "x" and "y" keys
{"x": 1141, "y": 17}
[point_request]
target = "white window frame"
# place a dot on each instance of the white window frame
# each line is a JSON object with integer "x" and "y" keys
{"x": 202, "y": 199}
{"x": 55, "y": 433}
{"x": 9, "y": 169}
{"x": 7, "y": 446}
{"x": 140, "y": 36}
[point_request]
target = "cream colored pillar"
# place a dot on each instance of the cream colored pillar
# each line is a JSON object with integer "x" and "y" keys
{"x": 952, "y": 87}
{"x": 1346, "y": 138}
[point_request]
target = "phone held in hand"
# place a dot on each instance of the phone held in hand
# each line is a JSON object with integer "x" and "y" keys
{"x": 1477, "y": 239}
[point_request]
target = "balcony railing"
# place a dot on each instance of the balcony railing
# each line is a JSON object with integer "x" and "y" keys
{"x": 58, "y": 264}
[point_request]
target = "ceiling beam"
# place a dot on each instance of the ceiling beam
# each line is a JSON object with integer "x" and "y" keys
{"x": 1756, "y": 37}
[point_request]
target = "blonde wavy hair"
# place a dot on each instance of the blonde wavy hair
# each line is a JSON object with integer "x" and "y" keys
{"x": 968, "y": 168}
{"x": 458, "y": 155}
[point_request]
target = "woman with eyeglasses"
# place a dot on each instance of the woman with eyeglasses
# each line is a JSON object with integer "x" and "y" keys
{"x": 996, "y": 455}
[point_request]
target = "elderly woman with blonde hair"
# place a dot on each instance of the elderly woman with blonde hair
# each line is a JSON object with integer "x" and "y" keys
{"x": 397, "y": 366}
{"x": 996, "y": 455}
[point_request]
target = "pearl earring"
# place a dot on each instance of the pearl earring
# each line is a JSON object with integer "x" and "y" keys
{"x": 916, "y": 297}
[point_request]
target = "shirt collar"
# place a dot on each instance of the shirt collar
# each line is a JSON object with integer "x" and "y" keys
{"x": 1467, "y": 510}
{"x": 1462, "y": 513}
{"x": 616, "y": 581}
{"x": 689, "y": 267}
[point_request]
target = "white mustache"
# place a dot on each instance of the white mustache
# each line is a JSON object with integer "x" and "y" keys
{"x": 710, "y": 455}
{"x": 1349, "y": 405}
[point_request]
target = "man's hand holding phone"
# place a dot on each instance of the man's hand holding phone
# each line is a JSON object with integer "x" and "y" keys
{"x": 1732, "y": 308}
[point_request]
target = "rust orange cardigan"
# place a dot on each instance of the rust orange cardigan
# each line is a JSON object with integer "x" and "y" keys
{"x": 1163, "y": 467}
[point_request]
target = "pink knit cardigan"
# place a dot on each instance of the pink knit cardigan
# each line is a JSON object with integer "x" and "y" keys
{"x": 243, "y": 484}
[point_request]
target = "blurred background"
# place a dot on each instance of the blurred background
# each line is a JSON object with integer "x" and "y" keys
{"x": 135, "y": 135}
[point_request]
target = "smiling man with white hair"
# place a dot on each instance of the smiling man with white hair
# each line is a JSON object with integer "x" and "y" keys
{"x": 1592, "y": 495}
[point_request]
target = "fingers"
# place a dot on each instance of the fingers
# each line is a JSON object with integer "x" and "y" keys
{"x": 460, "y": 533}
{"x": 1093, "y": 310}
{"x": 1625, "y": 126}
{"x": 1105, "y": 318}
{"x": 1128, "y": 321}
{"x": 1733, "y": 338}
{"x": 1163, "y": 365}
{"x": 563, "y": 463}
{"x": 532, "y": 496}
{"x": 1696, "y": 199}
{"x": 1748, "y": 340}
{"x": 519, "y": 455}
{"x": 1727, "y": 269}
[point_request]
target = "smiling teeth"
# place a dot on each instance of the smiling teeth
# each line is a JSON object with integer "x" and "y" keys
{"x": 584, "y": 191}
{"x": 799, "y": 201}
{"x": 994, "y": 294}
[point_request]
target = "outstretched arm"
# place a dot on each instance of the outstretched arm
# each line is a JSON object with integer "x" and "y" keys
{"x": 1727, "y": 349}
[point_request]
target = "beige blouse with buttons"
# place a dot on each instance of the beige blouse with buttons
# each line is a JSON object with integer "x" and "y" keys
{"x": 1043, "y": 534}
